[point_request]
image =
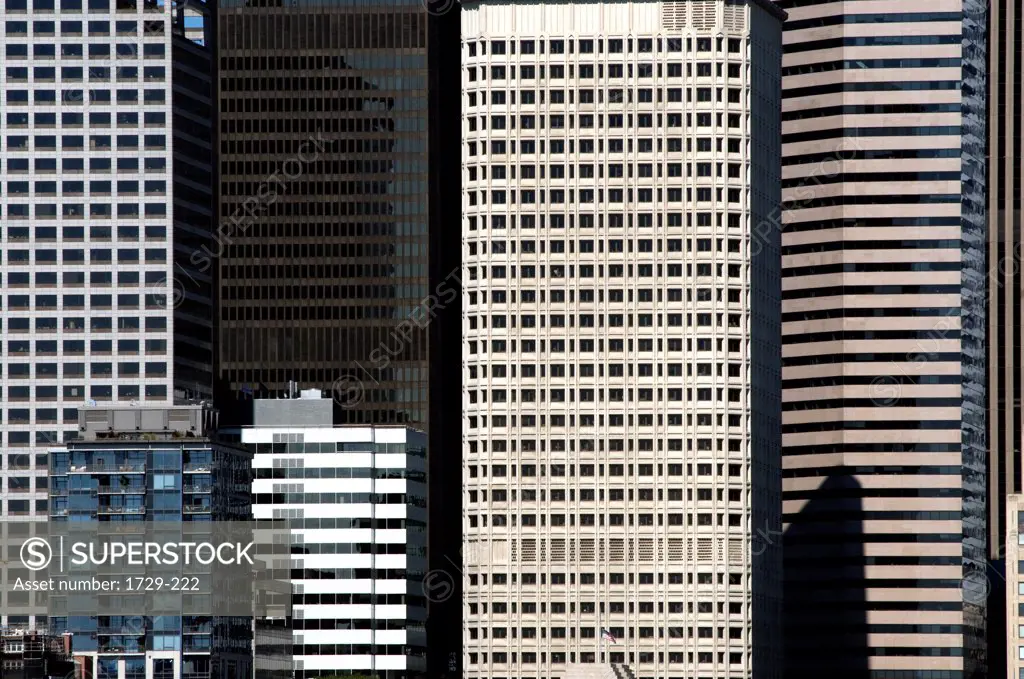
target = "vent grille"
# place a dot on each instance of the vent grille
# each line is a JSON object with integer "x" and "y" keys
{"x": 705, "y": 549}
{"x": 705, "y": 14}
{"x": 673, "y": 16}
{"x": 735, "y": 16}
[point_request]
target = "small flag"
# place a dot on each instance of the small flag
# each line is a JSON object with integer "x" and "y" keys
{"x": 605, "y": 634}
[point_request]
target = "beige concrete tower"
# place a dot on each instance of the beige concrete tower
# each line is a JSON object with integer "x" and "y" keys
{"x": 883, "y": 319}
{"x": 621, "y": 337}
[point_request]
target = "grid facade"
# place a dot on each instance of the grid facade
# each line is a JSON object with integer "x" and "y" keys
{"x": 883, "y": 319}
{"x": 324, "y": 203}
{"x": 95, "y": 97}
{"x": 620, "y": 336}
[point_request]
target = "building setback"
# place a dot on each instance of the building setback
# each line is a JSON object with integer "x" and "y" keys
{"x": 105, "y": 165}
{"x": 620, "y": 337}
{"x": 883, "y": 321}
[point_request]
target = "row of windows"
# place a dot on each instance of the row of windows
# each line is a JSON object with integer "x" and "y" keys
{"x": 77, "y": 233}
{"x": 74, "y": 326}
{"x": 96, "y": 210}
{"x": 77, "y": 278}
{"x": 95, "y": 73}
{"x": 614, "y": 495}
{"x": 70, "y": 165}
{"x": 586, "y": 95}
{"x": 39, "y": 256}
{"x": 615, "y": 657}
{"x": 527, "y": 370}
{"x": 614, "y": 170}
{"x": 586, "y": 245}
{"x": 614, "y": 321}
{"x": 557, "y": 346}
{"x": 643, "y": 395}
{"x": 610, "y": 519}
{"x": 95, "y": 28}
{"x": 590, "y": 608}
{"x": 641, "y": 632}
{"x": 75, "y": 6}
{"x": 97, "y": 142}
{"x": 640, "y": 420}
{"x": 617, "y": 271}
{"x": 643, "y": 145}
{"x": 615, "y": 45}
{"x": 558, "y": 196}
{"x": 150, "y": 50}
{"x": 124, "y": 186}
{"x": 616, "y": 220}
{"x": 103, "y": 370}
{"x": 587, "y": 470}
{"x": 96, "y": 391}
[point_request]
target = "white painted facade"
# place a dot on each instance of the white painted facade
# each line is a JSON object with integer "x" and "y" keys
{"x": 341, "y": 487}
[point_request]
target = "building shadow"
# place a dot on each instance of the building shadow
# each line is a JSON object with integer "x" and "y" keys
{"x": 825, "y": 631}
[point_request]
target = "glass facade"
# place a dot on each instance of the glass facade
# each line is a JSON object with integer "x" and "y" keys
{"x": 124, "y": 484}
{"x": 324, "y": 203}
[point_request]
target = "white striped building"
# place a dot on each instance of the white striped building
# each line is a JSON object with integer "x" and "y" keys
{"x": 355, "y": 498}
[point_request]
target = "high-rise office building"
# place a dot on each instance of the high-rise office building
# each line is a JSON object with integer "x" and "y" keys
{"x": 105, "y": 166}
{"x": 621, "y": 337}
{"x": 325, "y": 202}
{"x": 337, "y": 245}
{"x": 883, "y": 320}
{"x": 355, "y": 497}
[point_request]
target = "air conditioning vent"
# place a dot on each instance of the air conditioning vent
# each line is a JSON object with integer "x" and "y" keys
{"x": 673, "y": 15}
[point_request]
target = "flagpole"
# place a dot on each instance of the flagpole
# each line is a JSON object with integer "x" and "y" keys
{"x": 600, "y": 634}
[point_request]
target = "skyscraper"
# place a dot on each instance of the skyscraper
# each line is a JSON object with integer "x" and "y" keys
{"x": 883, "y": 318}
{"x": 337, "y": 245}
{"x": 105, "y": 166}
{"x": 1005, "y": 363}
{"x": 325, "y": 202}
{"x": 621, "y": 337}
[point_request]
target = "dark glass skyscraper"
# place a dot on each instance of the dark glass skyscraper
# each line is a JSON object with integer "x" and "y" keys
{"x": 338, "y": 244}
{"x": 324, "y": 202}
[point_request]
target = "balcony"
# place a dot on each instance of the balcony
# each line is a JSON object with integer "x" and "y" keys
{"x": 120, "y": 510}
{"x": 100, "y": 468}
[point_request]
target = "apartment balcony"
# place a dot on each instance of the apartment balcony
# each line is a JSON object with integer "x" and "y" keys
{"x": 107, "y": 469}
{"x": 120, "y": 510}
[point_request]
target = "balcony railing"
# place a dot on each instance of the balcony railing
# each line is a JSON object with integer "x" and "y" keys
{"x": 138, "y": 468}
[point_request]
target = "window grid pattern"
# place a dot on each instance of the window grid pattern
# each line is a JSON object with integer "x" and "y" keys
{"x": 86, "y": 176}
{"x": 609, "y": 194}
